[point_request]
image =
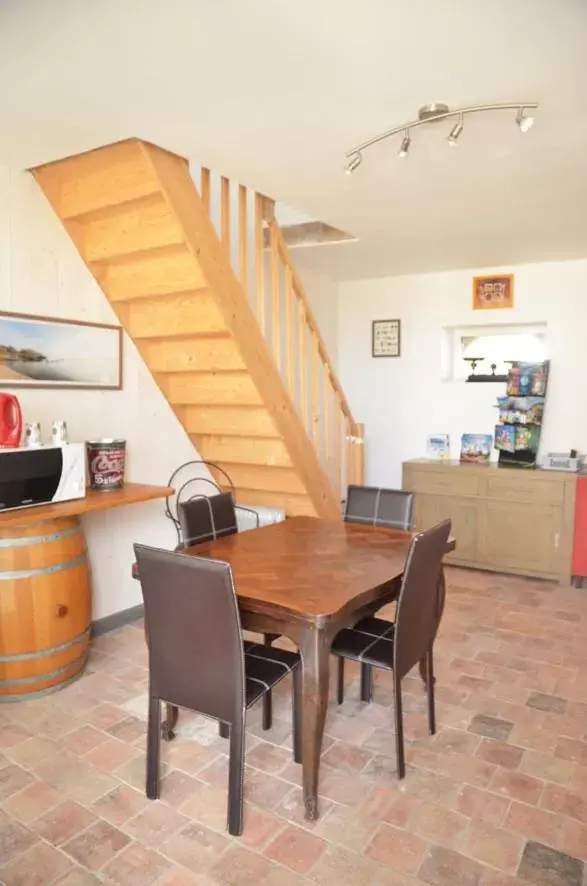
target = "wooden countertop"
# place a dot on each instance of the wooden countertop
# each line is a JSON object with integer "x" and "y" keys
{"x": 95, "y": 500}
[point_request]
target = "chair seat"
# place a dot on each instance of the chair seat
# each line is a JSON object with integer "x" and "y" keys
{"x": 264, "y": 667}
{"x": 369, "y": 642}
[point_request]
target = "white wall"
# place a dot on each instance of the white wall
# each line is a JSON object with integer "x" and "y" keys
{"x": 41, "y": 273}
{"x": 402, "y": 400}
{"x": 322, "y": 294}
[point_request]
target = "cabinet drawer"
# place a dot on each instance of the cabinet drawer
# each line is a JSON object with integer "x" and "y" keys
{"x": 512, "y": 485}
{"x": 458, "y": 481}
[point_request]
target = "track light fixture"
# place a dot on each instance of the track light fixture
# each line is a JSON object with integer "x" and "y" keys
{"x": 353, "y": 163}
{"x": 433, "y": 114}
{"x": 405, "y": 145}
{"x": 525, "y": 121}
{"x": 453, "y": 136}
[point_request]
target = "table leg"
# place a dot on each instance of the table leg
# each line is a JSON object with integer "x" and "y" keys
{"x": 315, "y": 652}
{"x": 440, "y": 601}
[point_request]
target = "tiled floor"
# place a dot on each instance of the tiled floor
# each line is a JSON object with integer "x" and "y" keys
{"x": 497, "y": 798}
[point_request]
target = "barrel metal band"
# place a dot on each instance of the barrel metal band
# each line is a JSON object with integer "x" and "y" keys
{"x": 40, "y": 678}
{"x": 43, "y": 570}
{"x": 51, "y": 650}
{"x": 38, "y": 539}
{"x": 41, "y": 693}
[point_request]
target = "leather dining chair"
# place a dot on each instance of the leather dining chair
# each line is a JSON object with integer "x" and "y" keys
{"x": 206, "y": 518}
{"x": 199, "y": 660}
{"x": 374, "y": 506}
{"x": 398, "y": 646}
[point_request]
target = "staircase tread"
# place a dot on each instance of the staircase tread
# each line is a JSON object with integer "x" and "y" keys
{"x": 112, "y": 209}
{"x": 164, "y": 251}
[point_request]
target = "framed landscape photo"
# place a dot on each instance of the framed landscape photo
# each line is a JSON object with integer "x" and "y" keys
{"x": 386, "y": 338}
{"x": 48, "y": 352}
{"x": 493, "y": 293}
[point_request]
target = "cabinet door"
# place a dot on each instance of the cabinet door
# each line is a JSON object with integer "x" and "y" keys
{"x": 521, "y": 536}
{"x": 432, "y": 509}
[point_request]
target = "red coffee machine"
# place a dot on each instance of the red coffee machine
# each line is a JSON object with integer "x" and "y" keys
{"x": 10, "y": 421}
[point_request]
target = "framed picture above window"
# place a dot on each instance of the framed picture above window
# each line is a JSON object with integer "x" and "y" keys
{"x": 493, "y": 293}
{"x": 386, "y": 338}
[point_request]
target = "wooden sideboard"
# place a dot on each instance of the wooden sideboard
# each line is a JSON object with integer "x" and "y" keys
{"x": 503, "y": 519}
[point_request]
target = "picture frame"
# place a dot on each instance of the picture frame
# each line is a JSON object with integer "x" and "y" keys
{"x": 493, "y": 292}
{"x": 53, "y": 352}
{"x": 476, "y": 448}
{"x": 386, "y": 338}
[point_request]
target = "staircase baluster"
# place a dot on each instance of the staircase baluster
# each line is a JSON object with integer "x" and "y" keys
{"x": 205, "y": 188}
{"x": 359, "y": 455}
{"x": 275, "y": 294}
{"x": 242, "y": 239}
{"x": 315, "y": 393}
{"x": 259, "y": 262}
{"x": 225, "y": 213}
{"x": 289, "y": 332}
{"x": 327, "y": 422}
{"x": 303, "y": 364}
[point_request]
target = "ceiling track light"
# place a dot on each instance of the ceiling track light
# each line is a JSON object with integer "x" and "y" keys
{"x": 405, "y": 145}
{"x": 453, "y": 136}
{"x": 525, "y": 121}
{"x": 433, "y": 113}
{"x": 354, "y": 163}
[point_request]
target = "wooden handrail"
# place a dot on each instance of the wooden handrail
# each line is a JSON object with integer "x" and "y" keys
{"x": 310, "y": 319}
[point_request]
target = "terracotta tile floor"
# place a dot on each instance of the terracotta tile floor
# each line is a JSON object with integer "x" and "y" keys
{"x": 498, "y": 797}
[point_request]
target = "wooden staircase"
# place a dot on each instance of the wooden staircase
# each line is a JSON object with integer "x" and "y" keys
{"x": 250, "y": 380}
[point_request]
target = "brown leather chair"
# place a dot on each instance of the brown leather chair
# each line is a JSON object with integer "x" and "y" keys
{"x": 205, "y": 518}
{"x": 374, "y": 506}
{"x": 398, "y": 646}
{"x": 198, "y": 660}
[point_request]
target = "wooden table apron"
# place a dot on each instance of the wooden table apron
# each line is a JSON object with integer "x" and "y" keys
{"x": 307, "y": 579}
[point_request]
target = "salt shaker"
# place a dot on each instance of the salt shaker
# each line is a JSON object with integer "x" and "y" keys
{"x": 59, "y": 433}
{"x": 32, "y": 434}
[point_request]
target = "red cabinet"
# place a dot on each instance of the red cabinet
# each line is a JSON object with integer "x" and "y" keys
{"x": 580, "y": 541}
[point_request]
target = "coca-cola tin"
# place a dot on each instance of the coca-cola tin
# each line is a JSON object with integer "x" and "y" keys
{"x": 106, "y": 460}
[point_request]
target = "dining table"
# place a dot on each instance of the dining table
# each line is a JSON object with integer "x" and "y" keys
{"x": 306, "y": 579}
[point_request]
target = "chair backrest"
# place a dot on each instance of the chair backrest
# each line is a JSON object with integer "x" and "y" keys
{"x": 391, "y": 508}
{"x": 196, "y": 657}
{"x": 417, "y": 616}
{"x": 204, "y": 518}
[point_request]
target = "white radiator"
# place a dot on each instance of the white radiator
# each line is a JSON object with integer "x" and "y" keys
{"x": 256, "y": 515}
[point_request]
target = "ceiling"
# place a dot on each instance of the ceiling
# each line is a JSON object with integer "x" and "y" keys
{"x": 274, "y": 92}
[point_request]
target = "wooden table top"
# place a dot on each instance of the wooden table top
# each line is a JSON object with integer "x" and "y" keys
{"x": 308, "y": 567}
{"x": 95, "y": 500}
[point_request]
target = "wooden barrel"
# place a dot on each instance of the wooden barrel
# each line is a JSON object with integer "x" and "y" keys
{"x": 45, "y": 606}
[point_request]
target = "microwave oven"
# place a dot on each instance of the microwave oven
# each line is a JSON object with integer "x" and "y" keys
{"x": 42, "y": 475}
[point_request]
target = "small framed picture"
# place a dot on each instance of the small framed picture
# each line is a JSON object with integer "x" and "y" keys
{"x": 493, "y": 293}
{"x": 386, "y": 338}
